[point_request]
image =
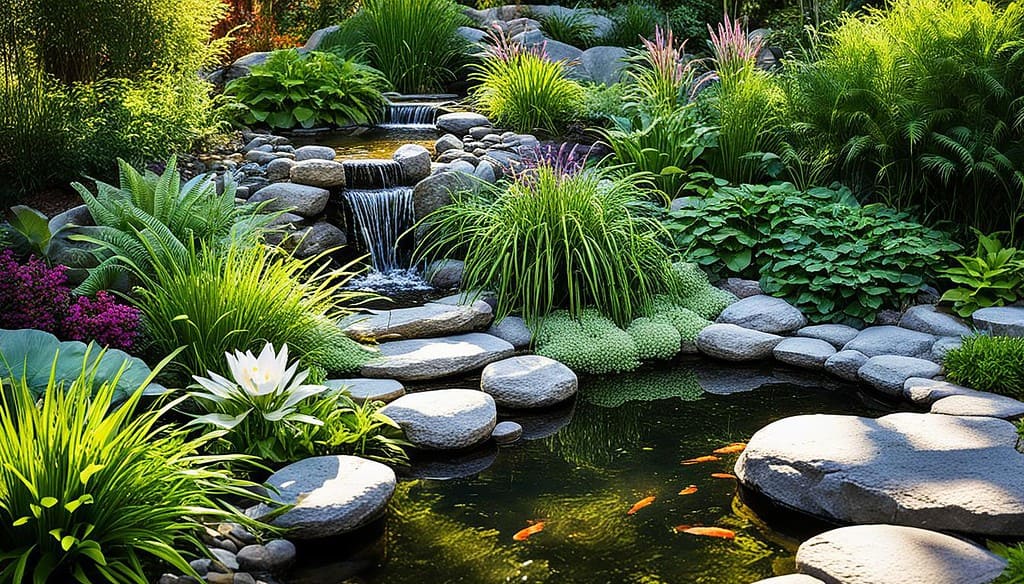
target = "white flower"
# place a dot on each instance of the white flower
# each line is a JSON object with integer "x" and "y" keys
{"x": 261, "y": 375}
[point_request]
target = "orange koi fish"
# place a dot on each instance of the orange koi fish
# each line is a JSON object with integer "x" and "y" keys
{"x": 689, "y": 490}
{"x": 700, "y": 459}
{"x": 524, "y": 534}
{"x": 722, "y": 475}
{"x": 640, "y": 504}
{"x": 707, "y": 531}
{"x": 732, "y": 448}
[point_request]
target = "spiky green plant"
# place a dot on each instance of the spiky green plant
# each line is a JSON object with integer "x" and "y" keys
{"x": 548, "y": 240}
{"x": 92, "y": 492}
{"x": 571, "y": 27}
{"x": 660, "y": 74}
{"x": 988, "y": 363}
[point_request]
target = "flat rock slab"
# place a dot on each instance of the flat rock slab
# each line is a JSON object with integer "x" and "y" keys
{"x": 927, "y": 318}
{"x": 835, "y": 334}
{"x": 804, "y": 352}
{"x": 1005, "y": 321}
{"x": 435, "y": 358}
{"x": 529, "y": 381}
{"x": 985, "y": 404}
{"x": 763, "y": 313}
{"x": 331, "y": 495}
{"x": 948, "y": 473}
{"x": 444, "y": 419}
{"x": 419, "y": 322}
{"x": 364, "y": 389}
{"x": 735, "y": 343}
{"x": 893, "y": 554}
{"x": 891, "y": 340}
{"x": 889, "y": 373}
{"x": 923, "y": 390}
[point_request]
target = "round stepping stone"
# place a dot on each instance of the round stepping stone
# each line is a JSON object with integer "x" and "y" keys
{"x": 982, "y": 404}
{"x": 892, "y": 554}
{"x": 803, "y": 352}
{"x": 530, "y": 381}
{"x": 949, "y": 473}
{"x": 846, "y": 364}
{"x": 835, "y": 334}
{"x": 735, "y": 343}
{"x": 891, "y": 340}
{"x": 922, "y": 390}
{"x": 419, "y": 322}
{"x": 419, "y": 359}
{"x": 1007, "y": 321}
{"x": 926, "y": 318}
{"x": 364, "y": 389}
{"x": 444, "y": 419}
{"x": 331, "y": 495}
{"x": 507, "y": 432}
{"x": 888, "y": 373}
{"x": 763, "y": 313}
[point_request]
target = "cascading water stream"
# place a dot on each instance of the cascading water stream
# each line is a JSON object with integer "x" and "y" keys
{"x": 381, "y": 216}
{"x": 372, "y": 174}
{"x": 410, "y": 115}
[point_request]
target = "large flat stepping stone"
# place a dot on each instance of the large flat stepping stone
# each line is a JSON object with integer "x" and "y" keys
{"x": 804, "y": 352}
{"x": 835, "y": 334}
{"x": 420, "y": 322}
{"x": 530, "y": 381}
{"x": 927, "y": 318}
{"x": 892, "y": 554}
{"x": 444, "y": 419}
{"x": 364, "y": 389}
{"x": 1006, "y": 321}
{"x": 984, "y": 404}
{"x": 435, "y": 358}
{"x": 331, "y": 495}
{"x": 735, "y": 343}
{"x": 923, "y": 390}
{"x": 891, "y": 340}
{"x": 947, "y": 473}
{"x": 763, "y": 313}
{"x": 889, "y": 373}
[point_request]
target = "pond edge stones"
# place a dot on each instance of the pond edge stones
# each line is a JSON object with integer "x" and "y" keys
{"x": 528, "y": 381}
{"x": 331, "y": 495}
{"x": 419, "y": 359}
{"x": 444, "y": 419}
{"x": 763, "y": 313}
{"x": 735, "y": 343}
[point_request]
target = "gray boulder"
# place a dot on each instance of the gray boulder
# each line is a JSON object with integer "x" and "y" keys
{"x": 419, "y": 322}
{"x": 445, "y": 274}
{"x": 925, "y": 391}
{"x": 446, "y": 143}
{"x": 317, "y": 38}
{"x": 892, "y": 340}
{"x": 803, "y": 352}
{"x": 735, "y": 343}
{"x": 926, "y": 318}
{"x": 514, "y": 330}
{"x": 305, "y": 201}
{"x": 982, "y": 404}
{"x": 460, "y": 123}
{"x": 764, "y": 313}
{"x": 893, "y": 554}
{"x": 315, "y": 153}
{"x": 363, "y": 389}
{"x": 943, "y": 346}
{"x": 326, "y": 174}
{"x": 473, "y": 35}
{"x": 420, "y": 359}
{"x": 1005, "y": 321}
{"x": 507, "y": 432}
{"x": 321, "y": 237}
{"x": 529, "y": 381}
{"x": 280, "y": 169}
{"x": 444, "y": 419}
{"x": 838, "y": 335}
{"x": 559, "y": 51}
{"x": 738, "y": 287}
{"x": 415, "y": 162}
{"x": 330, "y": 495}
{"x": 888, "y": 373}
{"x": 846, "y": 364}
{"x": 434, "y": 192}
{"x": 275, "y": 556}
{"x": 604, "y": 64}
{"x": 950, "y": 473}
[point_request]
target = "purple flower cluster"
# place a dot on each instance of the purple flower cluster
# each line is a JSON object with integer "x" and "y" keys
{"x": 35, "y": 295}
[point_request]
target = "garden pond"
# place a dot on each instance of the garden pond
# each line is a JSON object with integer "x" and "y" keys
{"x": 580, "y": 469}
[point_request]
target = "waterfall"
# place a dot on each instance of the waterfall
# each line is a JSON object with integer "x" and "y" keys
{"x": 372, "y": 174}
{"x": 410, "y": 115}
{"x": 381, "y": 216}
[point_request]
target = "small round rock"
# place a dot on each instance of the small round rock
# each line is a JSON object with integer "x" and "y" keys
{"x": 507, "y": 432}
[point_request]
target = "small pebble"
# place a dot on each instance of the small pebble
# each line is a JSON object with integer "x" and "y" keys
{"x": 507, "y": 432}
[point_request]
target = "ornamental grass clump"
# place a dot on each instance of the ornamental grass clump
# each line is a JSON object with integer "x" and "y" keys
{"x": 94, "y": 493}
{"x": 987, "y": 363}
{"x": 548, "y": 240}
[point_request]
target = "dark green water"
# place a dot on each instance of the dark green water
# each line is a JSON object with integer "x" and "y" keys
{"x": 622, "y": 441}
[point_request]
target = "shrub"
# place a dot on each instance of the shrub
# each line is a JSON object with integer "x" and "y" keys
{"x": 920, "y": 103}
{"x": 833, "y": 259}
{"x": 989, "y": 364}
{"x": 548, "y": 240}
{"x": 569, "y": 27}
{"x": 603, "y": 103}
{"x": 312, "y": 89}
{"x": 991, "y": 277}
{"x": 589, "y": 343}
{"x": 90, "y": 492}
{"x": 634, "y": 21}
{"x": 413, "y": 42}
{"x": 524, "y": 89}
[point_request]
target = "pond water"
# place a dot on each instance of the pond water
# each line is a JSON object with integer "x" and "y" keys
{"x": 377, "y": 142}
{"x": 622, "y": 441}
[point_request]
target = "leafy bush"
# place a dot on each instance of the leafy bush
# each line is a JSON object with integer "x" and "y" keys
{"x": 689, "y": 20}
{"x": 920, "y": 102}
{"x": 833, "y": 259}
{"x": 991, "y": 277}
{"x": 524, "y": 89}
{"x": 413, "y": 42}
{"x": 989, "y": 364}
{"x": 634, "y": 20}
{"x": 590, "y": 343}
{"x": 90, "y": 492}
{"x": 312, "y": 89}
{"x": 549, "y": 240}
{"x": 603, "y": 103}
{"x": 569, "y": 27}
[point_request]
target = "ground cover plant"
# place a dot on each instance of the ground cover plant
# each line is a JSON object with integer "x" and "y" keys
{"x": 989, "y": 364}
